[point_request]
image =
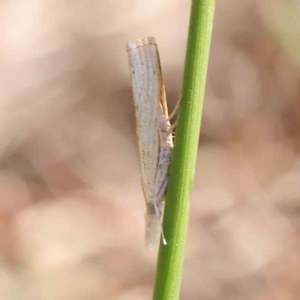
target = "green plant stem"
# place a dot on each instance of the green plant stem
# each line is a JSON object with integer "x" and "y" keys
{"x": 176, "y": 216}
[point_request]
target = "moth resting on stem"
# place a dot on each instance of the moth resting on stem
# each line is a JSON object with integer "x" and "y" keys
{"x": 154, "y": 131}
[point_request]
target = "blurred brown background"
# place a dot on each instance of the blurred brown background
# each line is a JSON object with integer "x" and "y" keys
{"x": 71, "y": 205}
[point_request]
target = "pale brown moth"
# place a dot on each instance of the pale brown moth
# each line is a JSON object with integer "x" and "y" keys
{"x": 154, "y": 132}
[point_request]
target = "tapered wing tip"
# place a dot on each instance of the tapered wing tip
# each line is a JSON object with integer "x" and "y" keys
{"x": 141, "y": 42}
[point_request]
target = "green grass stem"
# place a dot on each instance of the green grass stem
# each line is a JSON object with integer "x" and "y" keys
{"x": 176, "y": 216}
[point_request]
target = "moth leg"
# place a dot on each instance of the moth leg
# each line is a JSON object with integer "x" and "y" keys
{"x": 158, "y": 214}
{"x": 175, "y": 110}
{"x": 153, "y": 230}
{"x": 173, "y": 126}
{"x": 156, "y": 201}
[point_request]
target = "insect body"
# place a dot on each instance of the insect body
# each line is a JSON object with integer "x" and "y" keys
{"x": 154, "y": 133}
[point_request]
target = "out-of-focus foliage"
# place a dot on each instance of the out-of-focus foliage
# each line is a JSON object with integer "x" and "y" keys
{"x": 71, "y": 205}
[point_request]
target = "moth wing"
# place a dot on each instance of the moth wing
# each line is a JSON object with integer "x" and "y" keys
{"x": 146, "y": 84}
{"x": 153, "y": 130}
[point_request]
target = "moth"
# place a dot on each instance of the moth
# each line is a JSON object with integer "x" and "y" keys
{"x": 154, "y": 131}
